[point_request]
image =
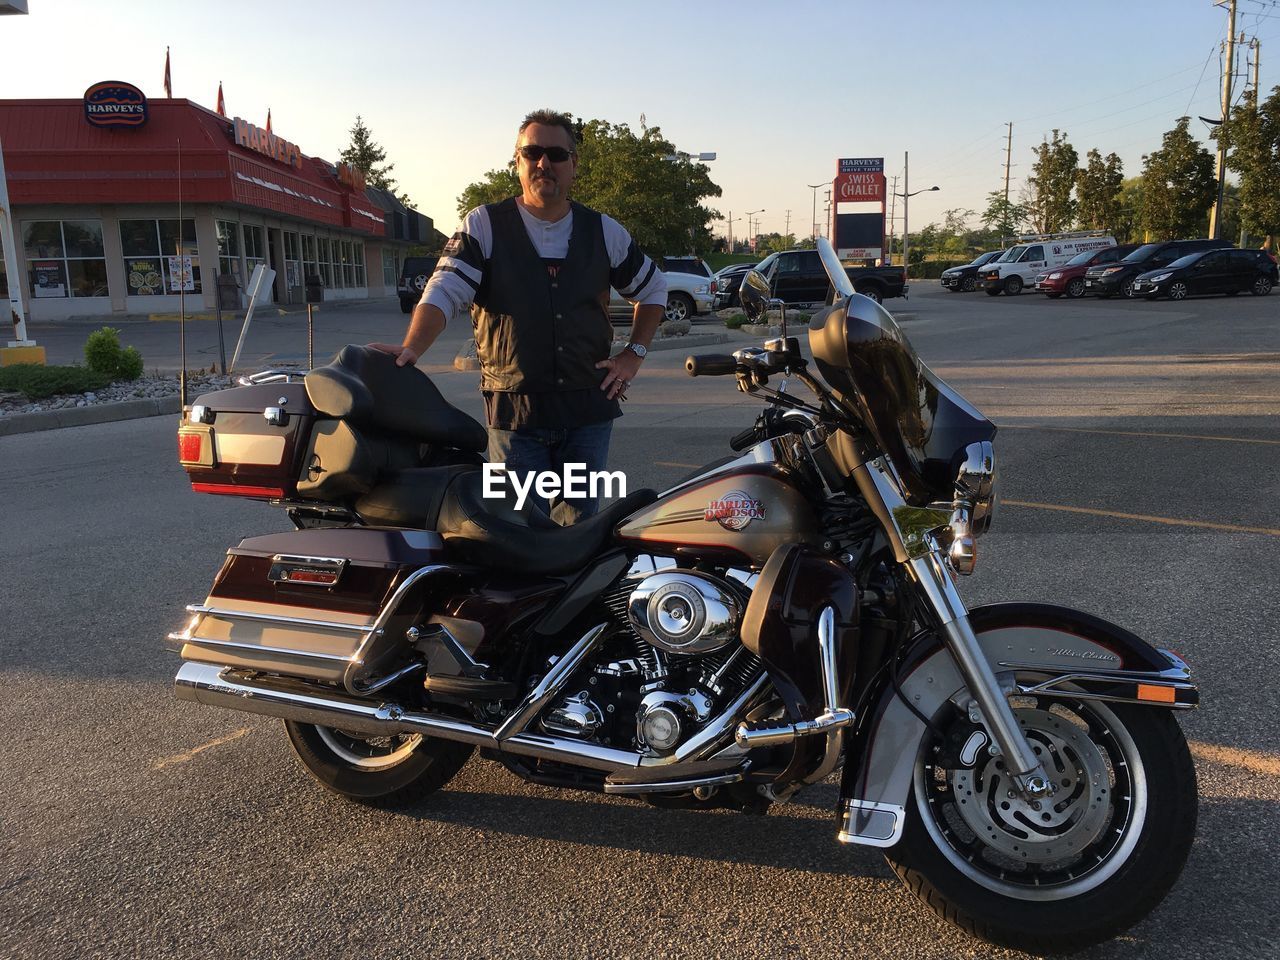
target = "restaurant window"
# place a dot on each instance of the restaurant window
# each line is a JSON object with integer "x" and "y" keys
{"x": 348, "y": 265}
{"x": 359, "y": 263}
{"x": 255, "y": 247}
{"x": 151, "y": 264}
{"x": 292, "y": 261}
{"x": 310, "y": 266}
{"x": 229, "y": 248}
{"x": 390, "y": 273}
{"x": 326, "y": 266}
{"x": 64, "y": 258}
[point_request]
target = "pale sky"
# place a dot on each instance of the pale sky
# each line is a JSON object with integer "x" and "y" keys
{"x": 778, "y": 90}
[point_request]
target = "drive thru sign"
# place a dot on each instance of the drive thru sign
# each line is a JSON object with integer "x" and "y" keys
{"x": 859, "y": 180}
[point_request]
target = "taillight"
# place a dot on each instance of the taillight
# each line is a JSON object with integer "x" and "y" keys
{"x": 189, "y": 447}
{"x": 271, "y": 493}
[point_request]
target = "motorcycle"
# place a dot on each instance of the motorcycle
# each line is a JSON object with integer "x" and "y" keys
{"x": 785, "y": 614}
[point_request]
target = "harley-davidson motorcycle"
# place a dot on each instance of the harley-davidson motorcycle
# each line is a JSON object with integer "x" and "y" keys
{"x": 778, "y": 617}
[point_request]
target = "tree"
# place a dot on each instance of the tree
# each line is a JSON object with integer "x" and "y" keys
{"x": 1003, "y": 216}
{"x": 1253, "y": 138}
{"x": 626, "y": 175}
{"x": 1053, "y": 176}
{"x": 1128, "y": 222}
{"x": 370, "y": 159}
{"x": 1098, "y": 191}
{"x": 1178, "y": 186}
{"x": 767, "y": 243}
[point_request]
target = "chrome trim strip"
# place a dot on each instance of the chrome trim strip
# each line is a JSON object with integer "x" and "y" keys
{"x": 550, "y": 684}
{"x": 225, "y": 614}
{"x": 259, "y": 648}
{"x": 1172, "y": 675}
{"x": 667, "y": 786}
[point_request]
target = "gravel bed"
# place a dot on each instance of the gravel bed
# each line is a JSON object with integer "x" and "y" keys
{"x": 144, "y": 388}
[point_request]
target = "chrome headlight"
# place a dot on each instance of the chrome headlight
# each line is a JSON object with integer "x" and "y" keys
{"x": 1056, "y": 275}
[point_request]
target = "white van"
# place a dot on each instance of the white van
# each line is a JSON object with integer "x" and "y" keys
{"x": 1018, "y": 266}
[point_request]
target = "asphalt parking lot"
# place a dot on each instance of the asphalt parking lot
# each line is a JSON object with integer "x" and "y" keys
{"x": 1138, "y": 450}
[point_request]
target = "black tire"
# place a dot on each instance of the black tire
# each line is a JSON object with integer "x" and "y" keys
{"x": 680, "y": 306}
{"x": 406, "y": 306}
{"x": 970, "y": 284}
{"x": 872, "y": 292}
{"x": 1140, "y": 859}
{"x": 1261, "y": 286}
{"x": 349, "y": 764}
{"x": 993, "y": 291}
{"x": 1178, "y": 290}
{"x": 1075, "y": 288}
{"x": 1013, "y": 285}
{"x": 1126, "y": 289}
{"x": 1053, "y": 296}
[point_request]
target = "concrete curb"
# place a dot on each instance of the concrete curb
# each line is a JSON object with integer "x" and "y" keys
{"x": 83, "y": 416}
{"x": 466, "y": 358}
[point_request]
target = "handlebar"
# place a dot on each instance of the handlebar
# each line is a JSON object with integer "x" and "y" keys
{"x": 711, "y": 365}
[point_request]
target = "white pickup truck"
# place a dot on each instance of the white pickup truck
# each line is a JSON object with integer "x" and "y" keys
{"x": 688, "y": 290}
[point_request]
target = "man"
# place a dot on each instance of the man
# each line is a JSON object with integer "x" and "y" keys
{"x": 537, "y": 269}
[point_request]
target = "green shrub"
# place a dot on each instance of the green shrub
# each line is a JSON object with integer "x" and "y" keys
{"x": 37, "y": 382}
{"x": 735, "y": 321}
{"x": 130, "y": 364}
{"x": 103, "y": 355}
{"x": 102, "y": 351}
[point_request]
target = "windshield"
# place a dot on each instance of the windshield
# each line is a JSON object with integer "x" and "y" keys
{"x": 1186, "y": 261}
{"x": 982, "y": 258}
{"x": 1144, "y": 252}
{"x": 1080, "y": 259}
{"x": 1010, "y": 255}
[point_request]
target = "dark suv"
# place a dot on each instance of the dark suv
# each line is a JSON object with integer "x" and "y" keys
{"x": 414, "y": 275}
{"x": 1211, "y": 271}
{"x": 1106, "y": 280}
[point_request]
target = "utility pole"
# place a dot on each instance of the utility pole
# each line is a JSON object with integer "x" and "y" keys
{"x": 906, "y": 191}
{"x": 893, "y": 205}
{"x": 786, "y": 231}
{"x": 729, "y": 222}
{"x": 1228, "y": 67}
{"x": 1008, "y": 165}
{"x": 815, "y": 187}
{"x": 830, "y": 233}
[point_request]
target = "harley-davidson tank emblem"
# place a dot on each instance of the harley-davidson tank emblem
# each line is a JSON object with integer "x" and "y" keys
{"x": 734, "y": 510}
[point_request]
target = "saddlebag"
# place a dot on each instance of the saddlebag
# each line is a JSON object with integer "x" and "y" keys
{"x": 327, "y": 604}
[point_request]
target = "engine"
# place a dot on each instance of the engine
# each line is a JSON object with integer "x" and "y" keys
{"x": 670, "y": 662}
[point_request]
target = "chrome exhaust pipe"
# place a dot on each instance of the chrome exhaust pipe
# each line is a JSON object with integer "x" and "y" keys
{"x": 215, "y": 686}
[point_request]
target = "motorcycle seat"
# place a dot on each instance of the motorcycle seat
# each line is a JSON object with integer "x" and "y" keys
{"x": 491, "y": 532}
{"x": 408, "y": 498}
{"x": 365, "y": 387}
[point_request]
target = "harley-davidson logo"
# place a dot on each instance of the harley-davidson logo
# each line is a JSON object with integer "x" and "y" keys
{"x": 734, "y": 510}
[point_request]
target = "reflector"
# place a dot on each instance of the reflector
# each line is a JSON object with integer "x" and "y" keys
{"x": 189, "y": 447}
{"x": 272, "y": 493}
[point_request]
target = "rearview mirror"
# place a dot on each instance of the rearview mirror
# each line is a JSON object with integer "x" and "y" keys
{"x": 754, "y": 295}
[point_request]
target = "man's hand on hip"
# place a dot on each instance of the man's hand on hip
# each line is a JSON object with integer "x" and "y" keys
{"x": 622, "y": 368}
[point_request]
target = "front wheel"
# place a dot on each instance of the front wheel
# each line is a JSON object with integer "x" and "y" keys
{"x": 1126, "y": 289}
{"x": 871, "y": 292}
{"x": 394, "y": 769}
{"x": 1067, "y": 872}
{"x": 1075, "y": 288}
{"x": 679, "y": 307}
{"x": 993, "y": 291}
{"x": 970, "y": 284}
{"x": 1178, "y": 290}
{"x": 1013, "y": 286}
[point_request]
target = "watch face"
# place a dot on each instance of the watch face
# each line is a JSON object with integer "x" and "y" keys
{"x": 638, "y": 349}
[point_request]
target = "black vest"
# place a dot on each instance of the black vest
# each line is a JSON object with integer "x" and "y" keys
{"x": 536, "y": 333}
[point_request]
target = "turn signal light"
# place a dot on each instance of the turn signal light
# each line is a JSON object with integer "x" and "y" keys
{"x": 226, "y": 489}
{"x": 1156, "y": 694}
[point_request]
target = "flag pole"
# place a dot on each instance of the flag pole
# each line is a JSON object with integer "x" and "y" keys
{"x": 182, "y": 299}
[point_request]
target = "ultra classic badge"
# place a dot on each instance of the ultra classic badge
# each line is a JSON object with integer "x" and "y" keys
{"x": 734, "y": 510}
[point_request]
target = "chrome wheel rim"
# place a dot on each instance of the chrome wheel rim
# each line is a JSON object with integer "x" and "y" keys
{"x": 369, "y": 753}
{"x": 1126, "y": 288}
{"x": 1072, "y": 843}
{"x": 677, "y": 309}
{"x": 1262, "y": 286}
{"x": 1177, "y": 291}
{"x": 1075, "y": 288}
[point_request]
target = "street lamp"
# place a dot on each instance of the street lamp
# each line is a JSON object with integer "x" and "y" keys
{"x": 905, "y": 195}
{"x": 701, "y": 158}
{"x": 751, "y": 235}
{"x": 815, "y": 187}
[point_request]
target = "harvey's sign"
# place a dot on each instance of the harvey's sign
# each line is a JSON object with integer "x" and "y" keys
{"x": 858, "y": 180}
{"x": 267, "y": 144}
{"x": 114, "y": 103}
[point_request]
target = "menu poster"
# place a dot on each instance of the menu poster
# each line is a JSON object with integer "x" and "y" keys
{"x": 48, "y": 279}
{"x": 144, "y": 277}
{"x": 181, "y": 276}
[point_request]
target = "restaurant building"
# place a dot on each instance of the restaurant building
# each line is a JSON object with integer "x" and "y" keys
{"x": 95, "y": 191}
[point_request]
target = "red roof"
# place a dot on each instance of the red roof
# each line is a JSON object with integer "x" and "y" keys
{"x": 53, "y": 155}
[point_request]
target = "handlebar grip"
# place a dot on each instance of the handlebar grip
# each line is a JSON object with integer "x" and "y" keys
{"x": 747, "y": 438}
{"x": 710, "y": 365}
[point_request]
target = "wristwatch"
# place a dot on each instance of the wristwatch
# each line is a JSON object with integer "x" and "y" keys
{"x": 639, "y": 349}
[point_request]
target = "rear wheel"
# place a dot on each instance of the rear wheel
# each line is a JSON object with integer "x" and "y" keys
{"x": 1067, "y": 872}
{"x": 1013, "y": 286}
{"x": 1261, "y": 286}
{"x": 394, "y": 769}
{"x": 1075, "y": 288}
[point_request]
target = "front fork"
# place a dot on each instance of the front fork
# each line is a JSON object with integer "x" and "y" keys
{"x": 933, "y": 577}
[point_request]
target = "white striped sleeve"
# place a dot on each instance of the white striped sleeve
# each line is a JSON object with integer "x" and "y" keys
{"x": 632, "y": 273}
{"x": 461, "y": 269}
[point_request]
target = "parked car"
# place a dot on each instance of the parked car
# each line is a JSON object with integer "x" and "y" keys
{"x": 797, "y": 276}
{"x": 1210, "y": 271}
{"x": 690, "y": 264}
{"x": 725, "y": 284}
{"x": 964, "y": 279}
{"x": 1107, "y": 280}
{"x": 414, "y": 274}
{"x": 688, "y": 294}
{"x": 1069, "y": 278}
{"x": 1034, "y": 255}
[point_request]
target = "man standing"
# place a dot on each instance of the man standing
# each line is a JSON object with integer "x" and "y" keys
{"x": 538, "y": 269}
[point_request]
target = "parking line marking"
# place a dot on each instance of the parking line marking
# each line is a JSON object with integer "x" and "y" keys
{"x": 1168, "y": 521}
{"x": 672, "y": 463}
{"x": 1255, "y": 761}
{"x": 1134, "y": 433}
{"x": 191, "y": 754}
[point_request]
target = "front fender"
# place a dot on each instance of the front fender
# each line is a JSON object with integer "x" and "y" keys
{"x": 1072, "y": 646}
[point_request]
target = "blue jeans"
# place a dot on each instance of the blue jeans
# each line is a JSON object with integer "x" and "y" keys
{"x": 533, "y": 449}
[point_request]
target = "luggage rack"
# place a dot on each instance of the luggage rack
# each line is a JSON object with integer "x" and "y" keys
{"x": 270, "y": 376}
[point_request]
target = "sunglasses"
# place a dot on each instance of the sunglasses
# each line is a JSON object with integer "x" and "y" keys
{"x": 533, "y": 153}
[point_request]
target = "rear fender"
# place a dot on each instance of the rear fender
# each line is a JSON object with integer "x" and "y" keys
{"x": 1073, "y": 654}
